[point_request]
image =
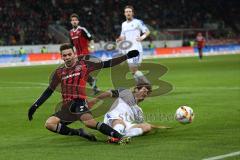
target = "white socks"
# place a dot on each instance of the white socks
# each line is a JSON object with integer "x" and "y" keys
{"x": 137, "y": 74}
{"x": 140, "y": 78}
{"x": 134, "y": 132}
{"x": 120, "y": 128}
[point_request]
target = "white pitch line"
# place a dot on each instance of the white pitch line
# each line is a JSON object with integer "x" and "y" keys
{"x": 31, "y": 83}
{"x": 210, "y": 88}
{"x": 223, "y": 156}
{"x": 6, "y": 87}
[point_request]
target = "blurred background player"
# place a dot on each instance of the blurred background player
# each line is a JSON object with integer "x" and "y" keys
{"x": 200, "y": 40}
{"x": 72, "y": 78}
{"x": 131, "y": 31}
{"x": 80, "y": 38}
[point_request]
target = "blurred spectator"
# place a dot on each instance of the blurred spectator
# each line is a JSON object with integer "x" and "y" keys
{"x": 151, "y": 44}
{"x": 26, "y": 22}
{"x": 44, "y": 49}
{"x": 21, "y": 51}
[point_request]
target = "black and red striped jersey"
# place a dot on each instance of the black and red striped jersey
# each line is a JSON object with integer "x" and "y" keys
{"x": 73, "y": 80}
{"x": 80, "y": 38}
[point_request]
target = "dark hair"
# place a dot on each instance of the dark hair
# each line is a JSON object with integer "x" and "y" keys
{"x": 74, "y": 15}
{"x": 65, "y": 46}
{"x": 129, "y": 6}
{"x": 147, "y": 85}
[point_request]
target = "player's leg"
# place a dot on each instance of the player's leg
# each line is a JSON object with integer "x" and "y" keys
{"x": 82, "y": 112}
{"x": 118, "y": 125}
{"x": 58, "y": 123}
{"x": 133, "y": 64}
{"x": 138, "y": 129}
{"x": 113, "y": 119}
{"x": 200, "y": 54}
{"x": 89, "y": 122}
{"x": 54, "y": 124}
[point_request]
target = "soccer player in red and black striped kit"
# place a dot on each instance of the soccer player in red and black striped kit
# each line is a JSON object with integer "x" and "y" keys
{"x": 200, "y": 44}
{"x": 80, "y": 38}
{"x": 72, "y": 78}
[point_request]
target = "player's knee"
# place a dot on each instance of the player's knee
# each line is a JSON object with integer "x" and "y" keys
{"x": 117, "y": 121}
{"x": 133, "y": 69}
{"x": 90, "y": 123}
{"x": 51, "y": 123}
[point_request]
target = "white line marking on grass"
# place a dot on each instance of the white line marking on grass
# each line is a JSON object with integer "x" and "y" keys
{"x": 210, "y": 88}
{"x": 223, "y": 156}
{"x": 7, "y": 87}
{"x": 31, "y": 83}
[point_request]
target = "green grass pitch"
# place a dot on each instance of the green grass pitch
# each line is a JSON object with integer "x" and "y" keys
{"x": 211, "y": 87}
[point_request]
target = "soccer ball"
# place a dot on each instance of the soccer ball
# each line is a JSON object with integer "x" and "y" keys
{"x": 184, "y": 114}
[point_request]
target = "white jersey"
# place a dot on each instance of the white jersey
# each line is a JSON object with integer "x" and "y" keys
{"x": 125, "y": 108}
{"x": 131, "y": 30}
{"x": 130, "y": 115}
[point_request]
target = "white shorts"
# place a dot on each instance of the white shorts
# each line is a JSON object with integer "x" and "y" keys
{"x": 135, "y": 61}
{"x": 109, "y": 117}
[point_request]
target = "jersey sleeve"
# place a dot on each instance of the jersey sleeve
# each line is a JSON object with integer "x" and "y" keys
{"x": 94, "y": 65}
{"x": 54, "y": 80}
{"x": 117, "y": 92}
{"x": 87, "y": 34}
{"x": 125, "y": 94}
{"x": 142, "y": 26}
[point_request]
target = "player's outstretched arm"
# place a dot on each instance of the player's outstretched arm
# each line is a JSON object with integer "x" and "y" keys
{"x": 45, "y": 95}
{"x": 120, "y": 59}
{"x": 111, "y": 93}
{"x": 102, "y": 96}
{"x": 109, "y": 63}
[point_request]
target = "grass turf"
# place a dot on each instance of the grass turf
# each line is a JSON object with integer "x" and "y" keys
{"x": 211, "y": 87}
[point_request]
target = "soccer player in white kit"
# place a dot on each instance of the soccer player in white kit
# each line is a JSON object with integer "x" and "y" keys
{"x": 125, "y": 116}
{"x": 135, "y": 31}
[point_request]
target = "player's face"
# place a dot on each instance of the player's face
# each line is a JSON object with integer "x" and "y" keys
{"x": 128, "y": 13}
{"x": 199, "y": 34}
{"x": 141, "y": 94}
{"x": 74, "y": 21}
{"x": 68, "y": 57}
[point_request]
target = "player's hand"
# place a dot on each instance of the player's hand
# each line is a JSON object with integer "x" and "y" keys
{"x": 31, "y": 111}
{"x": 139, "y": 39}
{"x": 133, "y": 53}
{"x": 119, "y": 39}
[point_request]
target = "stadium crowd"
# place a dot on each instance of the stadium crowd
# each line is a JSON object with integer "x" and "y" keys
{"x": 26, "y": 22}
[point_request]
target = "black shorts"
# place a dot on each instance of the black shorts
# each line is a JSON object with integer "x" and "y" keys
{"x": 72, "y": 111}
